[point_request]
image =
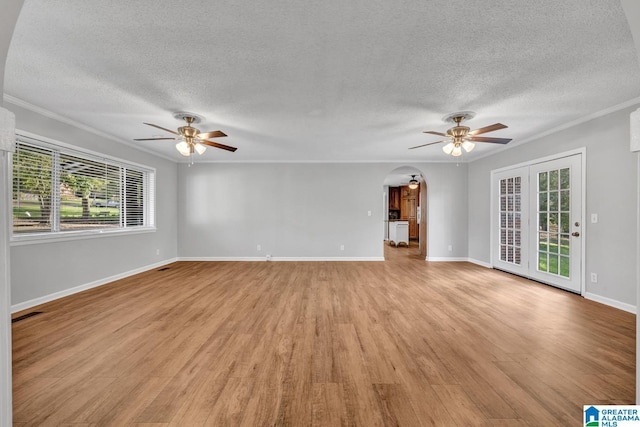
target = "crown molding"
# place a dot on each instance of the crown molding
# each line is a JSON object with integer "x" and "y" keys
{"x": 62, "y": 119}
{"x": 47, "y": 113}
{"x": 564, "y": 126}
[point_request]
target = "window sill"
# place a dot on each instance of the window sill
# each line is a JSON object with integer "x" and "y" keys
{"x": 39, "y": 238}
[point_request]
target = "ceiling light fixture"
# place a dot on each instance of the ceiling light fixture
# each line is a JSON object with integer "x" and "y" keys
{"x": 190, "y": 140}
{"x": 183, "y": 148}
{"x": 200, "y": 149}
{"x": 455, "y": 147}
{"x": 462, "y": 137}
{"x": 188, "y": 146}
{"x": 413, "y": 184}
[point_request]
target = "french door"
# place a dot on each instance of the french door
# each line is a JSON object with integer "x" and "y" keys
{"x": 510, "y": 228}
{"x": 537, "y": 222}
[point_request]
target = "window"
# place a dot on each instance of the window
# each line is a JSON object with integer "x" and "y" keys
{"x": 58, "y": 191}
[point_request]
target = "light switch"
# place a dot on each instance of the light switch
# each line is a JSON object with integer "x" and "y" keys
{"x": 594, "y": 218}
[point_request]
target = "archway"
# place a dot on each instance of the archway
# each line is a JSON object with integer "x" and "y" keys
{"x": 405, "y": 209}
{"x": 10, "y": 12}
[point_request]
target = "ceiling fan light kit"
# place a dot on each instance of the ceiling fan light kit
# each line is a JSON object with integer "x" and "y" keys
{"x": 468, "y": 146}
{"x": 187, "y": 149}
{"x": 190, "y": 139}
{"x": 455, "y": 147}
{"x": 462, "y": 137}
{"x": 183, "y": 148}
{"x": 413, "y": 184}
{"x": 200, "y": 148}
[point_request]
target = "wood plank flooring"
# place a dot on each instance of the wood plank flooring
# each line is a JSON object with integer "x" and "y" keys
{"x": 401, "y": 342}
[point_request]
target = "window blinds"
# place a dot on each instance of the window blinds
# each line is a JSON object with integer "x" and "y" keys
{"x": 58, "y": 190}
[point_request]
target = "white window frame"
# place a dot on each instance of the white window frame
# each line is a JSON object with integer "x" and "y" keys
{"x": 17, "y": 239}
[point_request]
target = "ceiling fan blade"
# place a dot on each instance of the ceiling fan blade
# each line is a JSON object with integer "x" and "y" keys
{"x": 486, "y": 139}
{"x": 212, "y": 134}
{"x": 218, "y": 145}
{"x": 435, "y": 133}
{"x": 424, "y": 145}
{"x": 165, "y": 129}
{"x": 153, "y": 139}
{"x": 486, "y": 129}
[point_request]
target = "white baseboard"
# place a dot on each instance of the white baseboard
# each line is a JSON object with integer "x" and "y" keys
{"x": 281, "y": 259}
{"x": 459, "y": 259}
{"x": 611, "y": 302}
{"x": 446, "y": 259}
{"x": 220, "y": 258}
{"x": 480, "y": 263}
{"x": 51, "y": 297}
{"x": 327, "y": 259}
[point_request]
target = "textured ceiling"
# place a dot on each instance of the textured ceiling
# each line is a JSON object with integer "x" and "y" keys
{"x": 324, "y": 80}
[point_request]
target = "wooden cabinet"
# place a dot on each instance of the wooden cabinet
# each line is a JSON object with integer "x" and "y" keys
{"x": 409, "y": 209}
{"x": 394, "y": 198}
{"x": 405, "y": 200}
{"x": 413, "y": 218}
{"x": 404, "y": 209}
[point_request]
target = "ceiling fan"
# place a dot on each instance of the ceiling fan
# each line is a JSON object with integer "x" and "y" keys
{"x": 460, "y": 137}
{"x": 190, "y": 139}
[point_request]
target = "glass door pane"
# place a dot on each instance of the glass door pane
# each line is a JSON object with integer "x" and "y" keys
{"x": 556, "y": 234}
{"x": 553, "y": 214}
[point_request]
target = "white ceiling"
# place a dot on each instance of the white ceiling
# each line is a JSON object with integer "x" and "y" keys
{"x": 322, "y": 81}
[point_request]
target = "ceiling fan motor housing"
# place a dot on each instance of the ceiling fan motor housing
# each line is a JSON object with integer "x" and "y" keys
{"x": 188, "y": 131}
{"x": 458, "y": 131}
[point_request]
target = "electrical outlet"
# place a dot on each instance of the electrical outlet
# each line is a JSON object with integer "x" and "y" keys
{"x": 368, "y": 213}
{"x": 594, "y": 218}
{"x": 450, "y": 248}
{"x": 157, "y": 251}
{"x": 259, "y": 248}
{"x": 594, "y": 277}
{"x": 342, "y": 247}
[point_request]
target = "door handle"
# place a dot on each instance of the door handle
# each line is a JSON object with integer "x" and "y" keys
{"x": 575, "y": 234}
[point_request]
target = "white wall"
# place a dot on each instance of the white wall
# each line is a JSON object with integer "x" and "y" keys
{"x": 632, "y": 11}
{"x": 611, "y": 193}
{"x": 43, "y": 269}
{"x": 307, "y": 210}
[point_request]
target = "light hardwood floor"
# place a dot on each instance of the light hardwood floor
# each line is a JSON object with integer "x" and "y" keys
{"x": 401, "y": 342}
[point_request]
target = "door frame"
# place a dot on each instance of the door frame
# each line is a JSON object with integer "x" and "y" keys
{"x": 423, "y": 241}
{"x": 493, "y": 216}
{"x": 422, "y": 230}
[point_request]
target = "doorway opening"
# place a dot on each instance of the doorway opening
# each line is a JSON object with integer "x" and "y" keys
{"x": 405, "y": 212}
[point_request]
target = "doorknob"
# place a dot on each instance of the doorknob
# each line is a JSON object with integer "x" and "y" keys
{"x": 575, "y": 234}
